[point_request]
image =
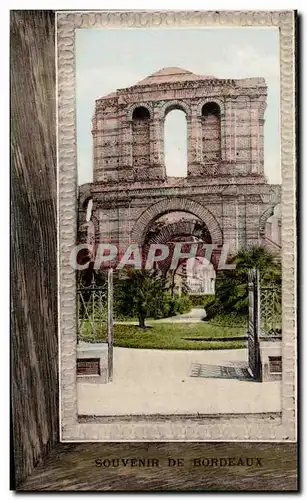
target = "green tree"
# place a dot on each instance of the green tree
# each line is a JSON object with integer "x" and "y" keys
{"x": 142, "y": 292}
{"x": 257, "y": 257}
{"x": 231, "y": 290}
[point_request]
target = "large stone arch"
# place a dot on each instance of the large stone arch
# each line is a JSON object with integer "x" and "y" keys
{"x": 84, "y": 195}
{"x": 166, "y": 205}
{"x": 139, "y": 105}
{"x": 208, "y": 100}
{"x": 174, "y": 229}
{"x": 169, "y": 106}
{"x": 263, "y": 219}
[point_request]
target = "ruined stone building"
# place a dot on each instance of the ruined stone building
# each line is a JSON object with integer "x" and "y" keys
{"x": 199, "y": 276}
{"x": 225, "y": 189}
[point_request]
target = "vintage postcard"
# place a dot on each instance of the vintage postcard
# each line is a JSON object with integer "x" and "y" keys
{"x": 176, "y": 202}
{"x": 177, "y": 252}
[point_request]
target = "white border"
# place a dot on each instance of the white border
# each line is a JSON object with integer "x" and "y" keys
{"x": 184, "y": 430}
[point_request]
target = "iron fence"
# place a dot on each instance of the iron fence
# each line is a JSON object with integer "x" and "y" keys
{"x": 92, "y": 312}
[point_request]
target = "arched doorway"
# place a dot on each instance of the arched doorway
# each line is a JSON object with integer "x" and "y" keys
{"x": 188, "y": 241}
{"x": 168, "y": 205}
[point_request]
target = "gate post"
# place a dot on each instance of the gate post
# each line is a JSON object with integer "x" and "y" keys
{"x": 254, "y": 323}
{"x": 110, "y": 325}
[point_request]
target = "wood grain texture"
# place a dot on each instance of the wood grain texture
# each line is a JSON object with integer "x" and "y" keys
{"x": 72, "y": 467}
{"x": 33, "y": 232}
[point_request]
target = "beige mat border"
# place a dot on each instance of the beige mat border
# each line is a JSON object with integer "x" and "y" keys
{"x": 182, "y": 430}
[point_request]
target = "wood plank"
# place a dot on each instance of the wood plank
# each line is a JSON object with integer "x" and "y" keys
{"x": 33, "y": 235}
{"x": 73, "y": 467}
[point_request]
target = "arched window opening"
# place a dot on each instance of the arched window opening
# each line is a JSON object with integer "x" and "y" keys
{"x": 211, "y": 132}
{"x": 141, "y": 136}
{"x": 175, "y": 144}
{"x": 210, "y": 108}
{"x": 141, "y": 113}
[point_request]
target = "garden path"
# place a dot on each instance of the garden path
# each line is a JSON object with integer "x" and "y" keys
{"x": 194, "y": 316}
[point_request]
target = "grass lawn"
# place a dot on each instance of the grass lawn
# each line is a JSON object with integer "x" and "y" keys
{"x": 178, "y": 336}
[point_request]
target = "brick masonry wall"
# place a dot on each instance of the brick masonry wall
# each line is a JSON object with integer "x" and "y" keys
{"x": 225, "y": 158}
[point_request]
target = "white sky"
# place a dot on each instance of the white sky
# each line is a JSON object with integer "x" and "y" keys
{"x": 109, "y": 59}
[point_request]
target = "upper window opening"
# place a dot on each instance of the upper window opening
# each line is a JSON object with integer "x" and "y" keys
{"x": 141, "y": 137}
{"x": 141, "y": 113}
{"x": 210, "y": 108}
{"x": 211, "y": 132}
{"x": 175, "y": 144}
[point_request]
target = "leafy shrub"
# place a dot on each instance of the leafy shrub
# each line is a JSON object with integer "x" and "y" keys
{"x": 179, "y": 304}
{"x": 183, "y": 304}
{"x": 200, "y": 300}
{"x": 229, "y": 320}
{"x": 160, "y": 309}
{"x": 212, "y": 309}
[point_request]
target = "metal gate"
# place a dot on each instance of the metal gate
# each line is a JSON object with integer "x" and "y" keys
{"x": 270, "y": 309}
{"x": 95, "y": 315}
{"x": 254, "y": 323}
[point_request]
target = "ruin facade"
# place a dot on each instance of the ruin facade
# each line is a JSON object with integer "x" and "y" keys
{"x": 225, "y": 188}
